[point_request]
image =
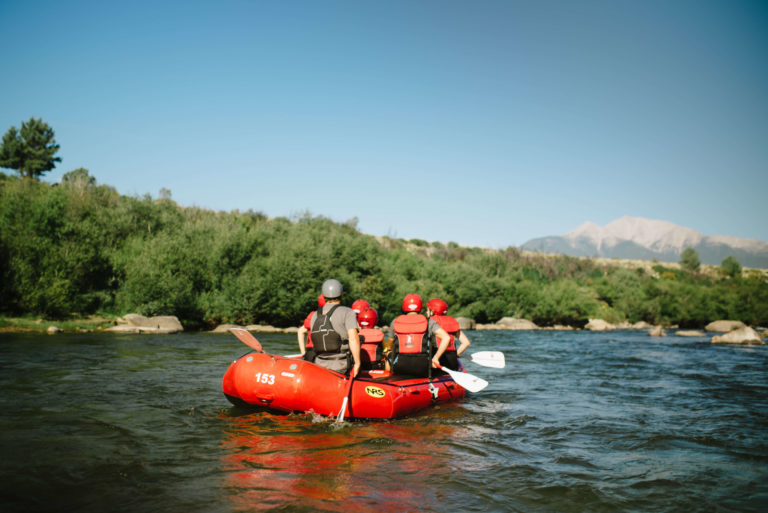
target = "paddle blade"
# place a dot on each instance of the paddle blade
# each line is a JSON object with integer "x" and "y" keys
{"x": 343, "y": 410}
{"x": 340, "y": 416}
{"x": 467, "y": 380}
{"x": 489, "y": 359}
{"x": 246, "y": 338}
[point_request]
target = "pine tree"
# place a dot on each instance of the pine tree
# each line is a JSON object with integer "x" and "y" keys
{"x": 31, "y": 150}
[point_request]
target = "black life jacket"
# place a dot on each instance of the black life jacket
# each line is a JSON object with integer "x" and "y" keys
{"x": 325, "y": 339}
{"x": 451, "y": 326}
{"x": 411, "y": 334}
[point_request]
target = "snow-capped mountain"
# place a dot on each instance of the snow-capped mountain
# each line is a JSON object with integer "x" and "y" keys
{"x": 637, "y": 238}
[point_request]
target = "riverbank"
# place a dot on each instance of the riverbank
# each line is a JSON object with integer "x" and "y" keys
{"x": 38, "y": 325}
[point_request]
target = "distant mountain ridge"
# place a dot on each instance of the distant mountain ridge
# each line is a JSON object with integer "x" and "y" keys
{"x": 637, "y": 238}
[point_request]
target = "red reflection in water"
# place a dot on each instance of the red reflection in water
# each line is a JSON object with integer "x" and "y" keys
{"x": 274, "y": 461}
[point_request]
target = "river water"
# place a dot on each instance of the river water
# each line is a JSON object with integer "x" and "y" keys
{"x": 577, "y": 421}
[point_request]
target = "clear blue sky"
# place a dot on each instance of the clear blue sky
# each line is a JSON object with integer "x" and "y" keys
{"x": 485, "y": 123}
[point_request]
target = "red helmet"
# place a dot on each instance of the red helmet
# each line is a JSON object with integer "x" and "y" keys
{"x": 321, "y": 300}
{"x": 367, "y": 318}
{"x": 360, "y": 305}
{"x": 438, "y": 306}
{"x": 412, "y": 303}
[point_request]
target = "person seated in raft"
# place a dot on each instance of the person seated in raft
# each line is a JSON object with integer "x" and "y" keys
{"x": 437, "y": 310}
{"x": 359, "y": 305}
{"x": 306, "y": 350}
{"x": 371, "y": 354}
{"x": 411, "y": 341}
{"x": 334, "y": 333}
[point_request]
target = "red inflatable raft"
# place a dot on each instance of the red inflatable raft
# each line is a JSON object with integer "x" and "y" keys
{"x": 286, "y": 384}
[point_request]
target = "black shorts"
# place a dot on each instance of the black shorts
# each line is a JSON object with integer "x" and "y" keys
{"x": 416, "y": 365}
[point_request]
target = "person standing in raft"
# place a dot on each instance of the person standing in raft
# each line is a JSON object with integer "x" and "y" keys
{"x": 334, "y": 333}
{"x": 306, "y": 350}
{"x": 411, "y": 342}
{"x": 436, "y": 310}
{"x": 371, "y": 355}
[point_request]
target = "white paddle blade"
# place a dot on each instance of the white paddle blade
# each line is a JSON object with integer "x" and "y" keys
{"x": 340, "y": 416}
{"x": 466, "y": 380}
{"x": 489, "y": 359}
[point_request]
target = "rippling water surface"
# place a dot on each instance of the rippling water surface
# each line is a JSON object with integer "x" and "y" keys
{"x": 578, "y": 421}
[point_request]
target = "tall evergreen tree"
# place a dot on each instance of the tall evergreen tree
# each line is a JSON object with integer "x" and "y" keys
{"x": 30, "y": 151}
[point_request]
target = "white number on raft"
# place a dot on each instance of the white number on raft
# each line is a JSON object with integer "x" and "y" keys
{"x": 267, "y": 379}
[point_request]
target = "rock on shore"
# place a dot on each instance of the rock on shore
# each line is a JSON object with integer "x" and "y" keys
{"x": 258, "y": 328}
{"x": 724, "y": 326}
{"x": 135, "y": 323}
{"x": 465, "y": 323}
{"x": 599, "y": 325}
{"x": 508, "y": 323}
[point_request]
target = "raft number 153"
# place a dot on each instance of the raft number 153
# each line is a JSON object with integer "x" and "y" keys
{"x": 267, "y": 379}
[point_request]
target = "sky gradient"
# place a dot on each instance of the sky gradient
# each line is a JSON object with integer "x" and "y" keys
{"x": 484, "y": 123}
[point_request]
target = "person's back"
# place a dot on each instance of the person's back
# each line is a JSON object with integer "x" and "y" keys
{"x": 371, "y": 338}
{"x": 334, "y": 332}
{"x": 437, "y": 310}
{"x": 411, "y": 354}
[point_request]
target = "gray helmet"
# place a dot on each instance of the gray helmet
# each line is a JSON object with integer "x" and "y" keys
{"x": 332, "y": 289}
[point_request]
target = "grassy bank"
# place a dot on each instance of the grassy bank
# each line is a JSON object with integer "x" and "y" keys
{"x": 80, "y": 249}
{"x": 32, "y": 324}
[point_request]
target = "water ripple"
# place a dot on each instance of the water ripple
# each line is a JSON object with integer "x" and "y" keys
{"x": 577, "y": 421}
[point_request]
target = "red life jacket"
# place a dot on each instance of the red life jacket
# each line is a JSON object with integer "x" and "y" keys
{"x": 370, "y": 341}
{"x": 308, "y": 344}
{"x": 451, "y": 326}
{"x": 411, "y": 334}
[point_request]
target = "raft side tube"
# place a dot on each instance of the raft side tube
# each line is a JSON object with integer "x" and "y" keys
{"x": 295, "y": 385}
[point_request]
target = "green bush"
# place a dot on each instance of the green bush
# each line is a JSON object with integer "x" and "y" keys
{"x": 81, "y": 248}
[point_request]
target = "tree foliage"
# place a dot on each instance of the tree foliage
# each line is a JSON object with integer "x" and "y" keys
{"x": 731, "y": 266}
{"x": 81, "y": 248}
{"x": 689, "y": 259}
{"x": 30, "y": 151}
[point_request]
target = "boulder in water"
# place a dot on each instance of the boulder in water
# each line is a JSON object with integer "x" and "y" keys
{"x": 745, "y": 335}
{"x": 690, "y": 333}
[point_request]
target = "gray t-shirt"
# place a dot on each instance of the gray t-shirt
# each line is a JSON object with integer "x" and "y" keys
{"x": 343, "y": 319}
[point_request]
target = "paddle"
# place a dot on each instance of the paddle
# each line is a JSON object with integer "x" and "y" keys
{"x": 466, "y": 380}
{"x": 246, "y": 338}
{"x": 340, "y": 417}
{"x": 489, "y": 359}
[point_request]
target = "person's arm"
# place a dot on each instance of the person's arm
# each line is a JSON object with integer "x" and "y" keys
{"x": 443, "y": 339}
{"x": 389, "y": 340}
{"x": 302, "y": 331}
{"x": 464, "y": 343}
{"x": 354, "y": 348}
